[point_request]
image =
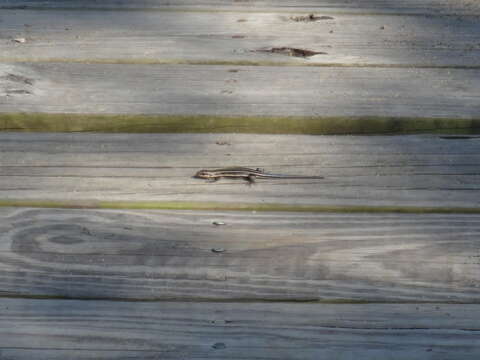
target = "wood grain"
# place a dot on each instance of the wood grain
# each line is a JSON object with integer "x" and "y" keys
{"x": 115, "y": 254}
{"x": 52, "y": 329}
{"x": 421, "y": 170}
{"x": 254, "y": 91}
{"x": 136, "y": 36}
{"x": 241, "y": 290}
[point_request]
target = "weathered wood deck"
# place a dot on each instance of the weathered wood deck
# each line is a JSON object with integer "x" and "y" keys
{"x": 109, "y": 249}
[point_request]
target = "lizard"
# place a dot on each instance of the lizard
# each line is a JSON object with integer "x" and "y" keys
{"x": 245, "y": 173}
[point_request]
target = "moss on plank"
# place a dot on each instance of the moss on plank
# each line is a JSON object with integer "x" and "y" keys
{"x": 42, "y": 122}
{"x": 185, "y": 205}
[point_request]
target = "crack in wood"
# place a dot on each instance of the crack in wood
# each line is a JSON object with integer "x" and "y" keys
{"x": 18, "y": 92}
{"x": 459, "y": 137}
{"x": 289, "y": 51}
{"x": 17, "y": 78}
{"x": 310, "y": 18}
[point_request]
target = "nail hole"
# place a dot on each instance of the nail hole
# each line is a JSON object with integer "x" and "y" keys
{"x": 219, "y": 346}
{"x": 219, "y": 223}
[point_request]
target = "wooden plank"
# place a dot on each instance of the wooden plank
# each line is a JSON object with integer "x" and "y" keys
{"x": 421, "y": 170}
{"x": 127, "y": 254}
{"x": 122, "y": 36}
{"x": 52, "y": 329}
{"x": 467, "y": 7}
{"x": 244, "y": 90}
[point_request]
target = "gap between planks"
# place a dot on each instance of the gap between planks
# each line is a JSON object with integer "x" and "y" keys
{"x": 217, "y": 206}
{"x": 306, "y": 125}
{"x": 426, "y": 7}
{"x": 238, "y": 300}
{"x": 214, "y": 62}
{"x": 216, "y": 10}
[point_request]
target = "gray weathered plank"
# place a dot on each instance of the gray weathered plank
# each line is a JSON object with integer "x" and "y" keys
{"x": 234, "y": 37}
{"x": 52, "y": 329}
{"x": 258, "y": 90}
{"x": 420, "y": 170}
{"x": 468, "y": 7}
{"x": 127, "y": 254}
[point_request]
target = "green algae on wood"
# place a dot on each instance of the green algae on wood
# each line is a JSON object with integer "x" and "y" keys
{"x": 217, "y": 206}
{"x": 43, "y": 122}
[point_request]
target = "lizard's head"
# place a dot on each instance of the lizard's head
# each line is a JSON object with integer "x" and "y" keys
{"x": 204, "y": 174}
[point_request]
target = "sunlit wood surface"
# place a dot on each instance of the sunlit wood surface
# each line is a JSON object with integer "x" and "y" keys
{"x": 109, "y": 249}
